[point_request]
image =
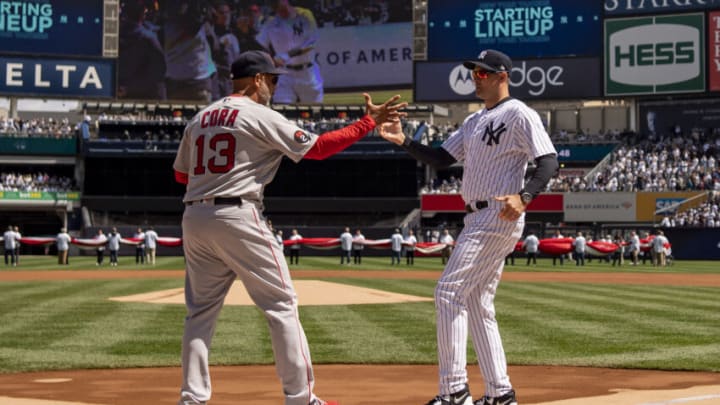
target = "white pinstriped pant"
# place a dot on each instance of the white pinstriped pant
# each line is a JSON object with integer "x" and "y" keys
{"x": 465, "y": 296}
{"x": 223, "y": 243}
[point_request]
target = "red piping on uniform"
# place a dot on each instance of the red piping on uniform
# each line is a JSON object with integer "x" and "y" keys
{"x": 297, "y": 319}
{"x": 336, "y": 141}
{"x": 277, "y": 264}
{"x": 181, "y": 177}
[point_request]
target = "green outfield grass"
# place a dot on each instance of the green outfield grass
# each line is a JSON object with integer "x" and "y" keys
{"x": 369, "y": 263}
{"x": 71, "y": 324}
{"x": 356, "y": 97}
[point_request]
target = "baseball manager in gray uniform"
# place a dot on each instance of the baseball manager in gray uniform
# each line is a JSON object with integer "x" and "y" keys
{"x": 229, "y": 152}
{"x": 495, "y": 145}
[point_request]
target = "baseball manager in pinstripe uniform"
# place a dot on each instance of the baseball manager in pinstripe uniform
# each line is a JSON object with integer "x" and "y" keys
{"x": 495, "y": 145}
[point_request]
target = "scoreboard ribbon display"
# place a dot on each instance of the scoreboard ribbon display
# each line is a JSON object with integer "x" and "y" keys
{"x": 52, "y": 27}
{"x": 461, "y": 29}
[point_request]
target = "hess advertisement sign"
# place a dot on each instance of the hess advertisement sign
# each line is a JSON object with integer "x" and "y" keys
{"x": 529, "y": 79}
{"x": 655, "y": 55}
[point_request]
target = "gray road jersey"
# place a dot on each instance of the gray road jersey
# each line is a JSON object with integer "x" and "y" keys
{"x": 233, "y": 148}
{"x": 496, "y": 146}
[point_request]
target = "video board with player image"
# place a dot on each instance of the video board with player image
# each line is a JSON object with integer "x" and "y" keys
{"x": 183, "y": 50}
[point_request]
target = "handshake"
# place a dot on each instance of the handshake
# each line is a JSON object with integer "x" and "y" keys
{"x": 387, "y": 117}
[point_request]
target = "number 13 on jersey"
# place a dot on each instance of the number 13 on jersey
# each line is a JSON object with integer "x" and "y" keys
{"x": 214, "y": 153}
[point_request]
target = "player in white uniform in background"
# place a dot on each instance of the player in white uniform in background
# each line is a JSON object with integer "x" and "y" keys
{"x": 114, "y": 246}
{"x": 229, "y": 152}
{"x": 346, "y": 240}
{"x": 396, "y": 242}
{"x": 63, "y": 246}
{"x": 658, "y": 248}
{"x": 151, "y": 238}
{"x": 140, "y": 247}
{"x": 530, "y": 244}
{"x": 18, "y": 244}
{"x": 9, "y": 240}
{"x": 495, "y": 145}
{"x": 448, "y": 240}
{"x": 579, "y": 243}
{"x": 290, "y": 36}
{"x": 295, "y": 249}
{"x": 358, "y": 247}
{"x": 634, "y": 247}
{"x": 410, "y": 242}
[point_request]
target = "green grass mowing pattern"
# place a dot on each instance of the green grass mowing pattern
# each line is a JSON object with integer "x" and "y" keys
{"x": 71, "y": 324}
{"x": 36, "y": 263}
{"x": 378, "y": 97}
{"x": 369, "y": 263}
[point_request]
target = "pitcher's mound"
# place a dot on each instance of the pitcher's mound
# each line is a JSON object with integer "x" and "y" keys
{"x": 310, "y": 292}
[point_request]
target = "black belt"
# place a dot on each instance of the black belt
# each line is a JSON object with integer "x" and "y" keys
{"x": 299, "y": 67}
{"x": 476, "y": 206}
{"x": 218, "y": 201}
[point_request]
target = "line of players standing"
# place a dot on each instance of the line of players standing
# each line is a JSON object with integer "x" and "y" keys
{"x": 144, "y": 251}
{"x": 351, "y": 246}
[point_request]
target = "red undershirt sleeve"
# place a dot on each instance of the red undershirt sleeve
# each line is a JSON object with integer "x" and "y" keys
{"x": 336, "y": 141}
{"x": 181, "y": 177}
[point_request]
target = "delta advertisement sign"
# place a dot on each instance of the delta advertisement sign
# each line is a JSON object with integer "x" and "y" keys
{"x": 57, "y": 77}
{"x": 529, "y": 79}
{"x": 655, "y": 55}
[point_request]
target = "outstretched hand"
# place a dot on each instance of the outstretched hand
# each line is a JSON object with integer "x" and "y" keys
{"x": 392, "y": 131}
{"x": 387, "y": 111}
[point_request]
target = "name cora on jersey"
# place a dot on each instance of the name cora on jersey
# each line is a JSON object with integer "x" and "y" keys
{"x": 219, "y": 117}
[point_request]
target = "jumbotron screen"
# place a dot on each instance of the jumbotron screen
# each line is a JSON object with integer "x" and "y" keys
{"x": 52, "y": 27}
{"x": 461, "y": 29}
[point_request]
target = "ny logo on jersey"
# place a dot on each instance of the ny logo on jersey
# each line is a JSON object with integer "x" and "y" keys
{"x": 492, "y": 134}
{"x": 298, "y": 28}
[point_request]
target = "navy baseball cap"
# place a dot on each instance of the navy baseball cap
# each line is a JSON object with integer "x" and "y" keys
{"x": 250, "y": 63}
{"x": 490, "y": 60}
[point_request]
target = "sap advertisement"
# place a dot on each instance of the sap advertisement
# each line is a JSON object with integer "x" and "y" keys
{"x": 461, "y": 29}
{"x": 631, "y": 7}
{"x": 529, "y": 79}
{"x": 57, "y": 77}
{"x": 655, "y": 54}
{"x": 52, "y": 27}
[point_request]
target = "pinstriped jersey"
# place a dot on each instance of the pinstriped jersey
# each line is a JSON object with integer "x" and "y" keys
{"x": 286, "y": 35}
{"x": 495, "y": 145}
{"x": 234, "y": 147}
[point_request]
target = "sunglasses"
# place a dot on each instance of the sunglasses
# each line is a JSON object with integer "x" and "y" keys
{"x": 482, "y": 73}
{"x": 273, "y": 78}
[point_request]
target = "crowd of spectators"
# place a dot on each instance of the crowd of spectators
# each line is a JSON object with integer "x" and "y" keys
{"x": 37, "y": 128}
{"x": 451, "y": 185}
{"x": 27, "y": 182}
{"x": 679, "y": 164}
{"x": 587, "y": 136}
{"x": 706, "y": 215}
